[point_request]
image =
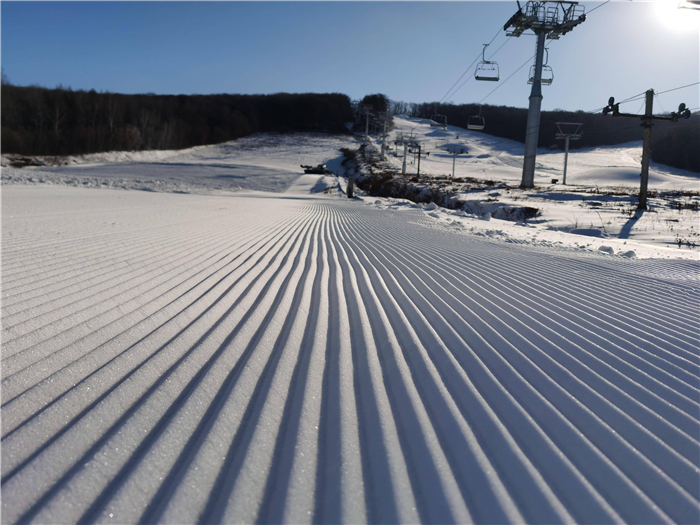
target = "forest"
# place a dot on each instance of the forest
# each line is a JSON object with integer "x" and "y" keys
{"x": 60, "y": 121}
{"x": 40, "y": 121}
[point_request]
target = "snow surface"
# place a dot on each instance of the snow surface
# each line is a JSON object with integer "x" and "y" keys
{"x": 594, "y": 207}
{"x": 297, "y": 357}
{"x": 262, "y": 162}
{"x": 207, "y": 351}
{"x": 498, "y": 159}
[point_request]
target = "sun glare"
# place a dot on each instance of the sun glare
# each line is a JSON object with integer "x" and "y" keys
{"x": 670, "y": 16}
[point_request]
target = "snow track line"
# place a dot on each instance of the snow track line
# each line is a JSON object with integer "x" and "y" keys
{"x": 90, "y": 453}
{"x": 180, "y": 332}
{"x": 690, "y": 475}
{"x": 129, "y": 271}
{"x": 691, "y": 393}
{"x": 507, "y": 264}
{"x": 265, "y": 359}
{"x": 109, "y": 258}
{"x": 92, "y": 512}
{"x": 91, "y": 327}
{"x": 96, "y": 290}
{"x": 563, "y": 270}
{"x": 667, "y": 407}
{"x": 457, "y": 263}
{"x": 152, "y": 314}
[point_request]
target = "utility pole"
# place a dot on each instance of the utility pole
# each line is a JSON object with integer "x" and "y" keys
{"x": 647, "y": 122}
{"x": 567, "y": 137}
{"x": 547, "y": 20}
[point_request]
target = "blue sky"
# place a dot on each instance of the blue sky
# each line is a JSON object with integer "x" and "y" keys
{"x": 411, "y": 51}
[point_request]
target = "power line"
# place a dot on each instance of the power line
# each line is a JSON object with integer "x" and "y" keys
{"x": 641, "y": 95}
{"x": 659, "y": 101}
{"x": 630, "y": 99}
{"x": 676, "y": 89}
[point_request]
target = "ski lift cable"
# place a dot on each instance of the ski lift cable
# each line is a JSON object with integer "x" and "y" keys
{"x": 470, "y": 66}
{"x": 468, "y": 79}
{"x": 490, "y": 57}
{"x": 507, "y": 79}
{"x": 497, "y": 50}
{"x": 596, "y": 7}
{"x": 467, "y": 71}
{"x": 512, "y": 74}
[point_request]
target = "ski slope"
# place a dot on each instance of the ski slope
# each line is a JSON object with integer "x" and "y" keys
{"x": 259, "y": 357}
{"x": 260, "y": 162}
{"x": 498, "y": 159}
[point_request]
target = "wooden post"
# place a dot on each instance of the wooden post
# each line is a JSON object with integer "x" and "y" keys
{"x": 351, "y": 186}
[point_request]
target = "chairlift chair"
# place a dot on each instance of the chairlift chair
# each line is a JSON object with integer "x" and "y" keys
{"x": 476, "y": 122}
{"x": 547, "y": 73}
{"x": 486, "y": 70}
{"x": 439, "y": 121}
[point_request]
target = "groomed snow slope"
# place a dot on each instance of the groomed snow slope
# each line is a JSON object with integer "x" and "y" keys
{"x": 497, "y": 159}
{"x": 287, "y": 358}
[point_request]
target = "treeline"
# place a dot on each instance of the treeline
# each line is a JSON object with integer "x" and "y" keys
{"x": 675, "y": 144}
{"x": 40, "y": 121}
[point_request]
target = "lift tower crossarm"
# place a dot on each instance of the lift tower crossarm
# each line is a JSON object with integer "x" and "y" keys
{"x": 557, "y": 18}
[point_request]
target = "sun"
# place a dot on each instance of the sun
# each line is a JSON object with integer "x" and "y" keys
{"x": 670, "y": 15}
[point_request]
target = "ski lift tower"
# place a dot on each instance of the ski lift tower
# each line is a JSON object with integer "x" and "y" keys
{"x": 548, "y": 20}
{"x": 454, "y": 149}
{"x": 408, "y": 141}
{"x": 572, "y": 134}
